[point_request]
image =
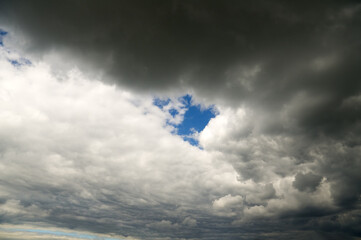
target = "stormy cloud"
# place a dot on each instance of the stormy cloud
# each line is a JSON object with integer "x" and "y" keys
{"x": 84, "y": 147}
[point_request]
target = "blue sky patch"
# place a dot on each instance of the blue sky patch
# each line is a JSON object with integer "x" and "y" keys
{"x": 19, "y": 62}
{"x": 2, "y": 34}
{"x": 15, "y": 62}
{"x": 173, "y": 112}
{"x": 161, "y": 102}
{"x": 195, "y": 118}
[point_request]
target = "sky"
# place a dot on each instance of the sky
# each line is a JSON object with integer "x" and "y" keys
{"x": 191, "y": 119}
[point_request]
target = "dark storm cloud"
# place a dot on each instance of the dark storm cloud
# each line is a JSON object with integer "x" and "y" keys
{"x": 161, "y": 43}
{"x": 307, "y": 182}
{"x": 260, "y": 52}
{"x": 294, "y": 64}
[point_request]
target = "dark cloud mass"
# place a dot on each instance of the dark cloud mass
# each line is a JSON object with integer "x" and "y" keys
{"x": 307, "y": 182}
{"x": 285, "y": 76}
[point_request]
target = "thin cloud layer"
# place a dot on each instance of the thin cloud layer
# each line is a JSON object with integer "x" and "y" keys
{"x": 84, "y": 146}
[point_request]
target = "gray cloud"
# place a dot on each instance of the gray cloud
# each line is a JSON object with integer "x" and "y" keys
{"x": 170, "y": 43}
{"x": 307, "y": 182}
{"x": 280, "y": 161}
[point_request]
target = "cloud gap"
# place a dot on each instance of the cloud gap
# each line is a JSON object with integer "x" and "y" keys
{"x": 193, "y": 117}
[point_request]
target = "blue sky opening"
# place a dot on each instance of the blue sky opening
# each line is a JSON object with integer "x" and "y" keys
{"x": 19, "y": 62}
{"x": 161, "y": 102}
{"x": 195, "y": 117}
{"x": 2, "y": 34}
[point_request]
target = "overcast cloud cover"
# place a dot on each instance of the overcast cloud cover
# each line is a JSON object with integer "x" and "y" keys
{"x": 85, "y": 152}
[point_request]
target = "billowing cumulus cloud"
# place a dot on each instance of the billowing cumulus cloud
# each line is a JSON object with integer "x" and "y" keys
{"x": 79, "y": 151}
{"x": 86, "y": 142}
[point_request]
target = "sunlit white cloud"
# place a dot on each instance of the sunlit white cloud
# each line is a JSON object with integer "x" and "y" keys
{"x": 78, "y": 142}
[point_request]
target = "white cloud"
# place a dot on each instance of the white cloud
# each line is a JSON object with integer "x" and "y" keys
{"x": 190, "y": 222}
{"x": 78, "y": 141}
{"x": 164, "y": 225}
{"x": 228, "y": 205}
{"x": 13, "y": 208}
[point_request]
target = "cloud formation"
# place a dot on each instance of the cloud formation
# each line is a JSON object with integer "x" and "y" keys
{"x": 83, "y": 146}
{"x": 79, "y": 152}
